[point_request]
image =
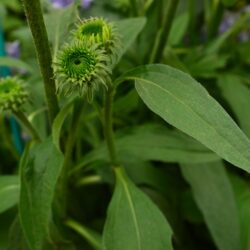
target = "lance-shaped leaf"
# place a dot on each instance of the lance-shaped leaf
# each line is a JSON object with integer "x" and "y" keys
{"x": 238, "y": 96}
{"x": 9, "y": 192}
{"x": 39, "y": 173}
{"x": 184, "y": 103}
{"x": 214, "y": 196}
{"x": 133, "y": 221}
{"x": 129, "y": 29}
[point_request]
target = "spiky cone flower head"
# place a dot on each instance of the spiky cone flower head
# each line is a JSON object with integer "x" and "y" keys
{"x": 12, "y": 94}
{"x": 101, "y": 32}
{"x": 81, "y": 68}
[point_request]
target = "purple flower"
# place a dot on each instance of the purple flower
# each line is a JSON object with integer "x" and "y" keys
{"x": 86, "y": 4}
{"x": 13, "y": 49}
{"x": 58, "y": 4}
{"x": 227, "y": 22}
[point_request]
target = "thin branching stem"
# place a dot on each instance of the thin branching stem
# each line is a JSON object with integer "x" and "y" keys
{"x": 215, "y": 18}
{"x": 27, "y": 124}
{"x": 134, "y": 8}
{"x": 164, "y": 31}
{"x": 108, "y": 126}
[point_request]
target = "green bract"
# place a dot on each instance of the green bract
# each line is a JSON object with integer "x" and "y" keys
{"x": 12, "y": 94}
{"x": 81, "y": 67}
{"x": 99, "y": 31}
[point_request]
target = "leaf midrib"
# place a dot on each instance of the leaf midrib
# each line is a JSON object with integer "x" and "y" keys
{"x": 131, "y": 205}
{"x": 188, "y": 107}
{"x": 8, "y": 188}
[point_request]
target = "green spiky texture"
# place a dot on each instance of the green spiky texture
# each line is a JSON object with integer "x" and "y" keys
{"x": 12, "y": 94}
{"x": 99, "y": 31}
{"x": 81, "y": 67}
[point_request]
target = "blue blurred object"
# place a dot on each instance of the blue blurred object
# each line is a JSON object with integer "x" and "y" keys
{"x": 4, "y": 71}
{"x": 85, "y": 4}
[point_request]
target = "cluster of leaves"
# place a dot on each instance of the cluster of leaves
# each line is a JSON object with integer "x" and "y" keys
{"x": 181, "y": 135}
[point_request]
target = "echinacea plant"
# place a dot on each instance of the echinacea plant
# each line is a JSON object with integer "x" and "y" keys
{"x": 127, "y": 150}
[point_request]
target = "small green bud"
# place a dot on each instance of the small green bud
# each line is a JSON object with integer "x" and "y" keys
{"x": 99, "y": 31}
{"x": 81, "y": 67}
{"x": 12, "y": 94}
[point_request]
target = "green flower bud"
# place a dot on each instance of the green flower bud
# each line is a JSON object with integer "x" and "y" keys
{"x": 12, "y": 94}
{"x": 99, "y": 31}
{"x": 81, "y": 67}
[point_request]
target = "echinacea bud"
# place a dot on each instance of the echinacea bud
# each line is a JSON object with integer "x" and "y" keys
{"x": 99, "y": 31}
{"x": 81, "y": 67}
{"x": 12, "y": 94}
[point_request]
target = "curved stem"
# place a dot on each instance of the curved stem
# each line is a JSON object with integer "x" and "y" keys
{"x": 108, "y": 126}
{"x": 26, "y": 123}
{"x": 164, "y": 31}
{"x": 35, "y": 19}
{"x": 92, "y": 237}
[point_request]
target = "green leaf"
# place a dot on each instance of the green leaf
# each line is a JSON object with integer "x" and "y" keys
{"x": 39, "y": 173}
{"x": 9, "y": 192}
{"x": 238, "y": 96}
{"x": 205, "y": 65}
{"x": 185, "y": 104}
{"x": 129, "y": 29}
{"x": 229, "y": 3}
{"x": 181, "y": 24}
{"x": 157, "y": 143}
{"x": 244, "y": 50}
{"x": 126, "y": 103}
{"x": 16, "y": 240}
{"x": 244, "y": 205}
{"x": 214, "y": 196}
{"x": 58, "y": 23}
{"x": 15, "y": 63}
{"x": 133, "y": 221}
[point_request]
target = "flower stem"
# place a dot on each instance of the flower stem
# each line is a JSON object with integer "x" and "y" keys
{"x": 134, "y": 8}
{"x": 164, "y": 31}
{"x": 26, "y": 123}
{"x": 108, "y": 126}
{"x": 35, "y": 20}
{"x": 61, "y": 201}
{"x": 216, "y": 15}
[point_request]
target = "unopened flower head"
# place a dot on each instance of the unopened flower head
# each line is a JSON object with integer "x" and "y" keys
{"x": 99, "y": 31}
{"x": 81, "y": 68}
{"x": 12, "y": 94}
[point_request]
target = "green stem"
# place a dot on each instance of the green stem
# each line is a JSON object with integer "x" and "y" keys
{"x": 108, "y": 126}
{"x": 26, "y": 123}
{"x": 92, "y": 237}
{"x": 62, "y": 186}
{"x": 134, "y": 8}
{"x": 34, "y": 16}
{"x": 215, "y": 19}
{"x": 192, "y": 20}
{"x": 164, "y": 32}
{"x": 6, "y": 136}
